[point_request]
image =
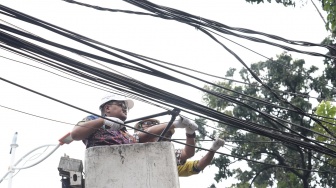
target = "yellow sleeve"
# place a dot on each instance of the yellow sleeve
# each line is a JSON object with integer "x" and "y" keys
{"x": 187, "y": 169}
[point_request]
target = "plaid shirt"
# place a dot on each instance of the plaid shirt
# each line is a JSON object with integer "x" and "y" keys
{"x": 104, "y": 136}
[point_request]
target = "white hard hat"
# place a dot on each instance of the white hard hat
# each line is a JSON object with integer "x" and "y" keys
{"x": 114, "y": 97}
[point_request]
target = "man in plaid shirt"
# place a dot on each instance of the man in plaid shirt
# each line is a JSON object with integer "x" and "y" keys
{"x": 96, "y": 131}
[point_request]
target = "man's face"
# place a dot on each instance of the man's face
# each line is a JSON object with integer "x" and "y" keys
{"x": 148, "y": 123}
{"x": 116, "y": 109}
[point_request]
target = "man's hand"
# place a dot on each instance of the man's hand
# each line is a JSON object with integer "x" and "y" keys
{"x": 217, "y": 144}
{"x": 180, "y": 123}
{"x": 114, "y": 124}
{"x": 190, "y": 126}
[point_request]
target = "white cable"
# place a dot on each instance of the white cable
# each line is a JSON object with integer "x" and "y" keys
{"x": 31, "y": 158}
{"x": 4, "y": 176}
{"x": 19, "y": 168}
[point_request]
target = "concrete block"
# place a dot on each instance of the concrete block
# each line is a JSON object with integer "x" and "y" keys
{"x": 148, "y": 165}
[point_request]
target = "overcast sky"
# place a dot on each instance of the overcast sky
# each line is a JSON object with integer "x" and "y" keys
{"x": 154, "y": 37}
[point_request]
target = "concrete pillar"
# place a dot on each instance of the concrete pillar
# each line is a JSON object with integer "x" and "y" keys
{"x": 149, "y": 165}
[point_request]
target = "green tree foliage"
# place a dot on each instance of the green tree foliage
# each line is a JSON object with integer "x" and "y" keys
{"x": 291, "y": 80}
{"x": 284, "y": 2}
{"x": 328, "y": 5}
{"x": 327, "y": 113}
{"x": 212, "y": 186}
{"x": 330, "y": 64}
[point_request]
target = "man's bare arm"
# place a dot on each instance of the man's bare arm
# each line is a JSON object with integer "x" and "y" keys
{"x": 188, "y": 151}
{"x": 206, "y": 160}
{"x": 84, "y": 129}
{"x": 157, "y": 130}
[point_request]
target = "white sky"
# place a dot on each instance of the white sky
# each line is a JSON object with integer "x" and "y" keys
{"x": 165, "y": 40}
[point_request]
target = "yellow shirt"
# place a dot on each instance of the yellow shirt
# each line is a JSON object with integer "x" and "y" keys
{"x": 187, "y": 169}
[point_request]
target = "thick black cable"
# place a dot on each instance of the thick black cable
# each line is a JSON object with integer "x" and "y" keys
{"x": 173, "y": 140}
{"x": 50, "y": 52}
{"x": 105, "y": 88}
{"x": 299, "y": 110}
{"x": 330, "y": 47}
{"x": 302, "y": 43}
{"x": 257, "y": 99}
{"x": 194, "y": 77}
{"x": 144, "y": 131}
{"x": 183, "y": 17}
{"x": 308, "y": 116}
{"x": 142, "y": 4}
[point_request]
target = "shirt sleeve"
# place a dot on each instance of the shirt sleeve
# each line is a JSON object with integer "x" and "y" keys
{"x": 87, "y": 118}
{"x": 188, "y": 169}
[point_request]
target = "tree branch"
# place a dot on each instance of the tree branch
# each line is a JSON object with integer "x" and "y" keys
{"x": 309, "y": 167}
{"x": 281, "y": 161}
{"x": 260, "y": 171}
{"x": 302, "y": 157}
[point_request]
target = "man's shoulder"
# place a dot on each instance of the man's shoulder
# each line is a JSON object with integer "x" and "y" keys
{"x": 90, "y": 117}
{"x": 87, "y": 118}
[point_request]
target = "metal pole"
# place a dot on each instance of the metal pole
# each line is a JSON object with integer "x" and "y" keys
{"x": 174, "y": 113}
{"x": 12, "y": 152}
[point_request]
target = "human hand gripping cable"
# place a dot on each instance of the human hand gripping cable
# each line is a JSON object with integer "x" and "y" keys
{"x": 114, "y": 124}
{"x": 190, "y": 126}
{"x": 217, "y": 144}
